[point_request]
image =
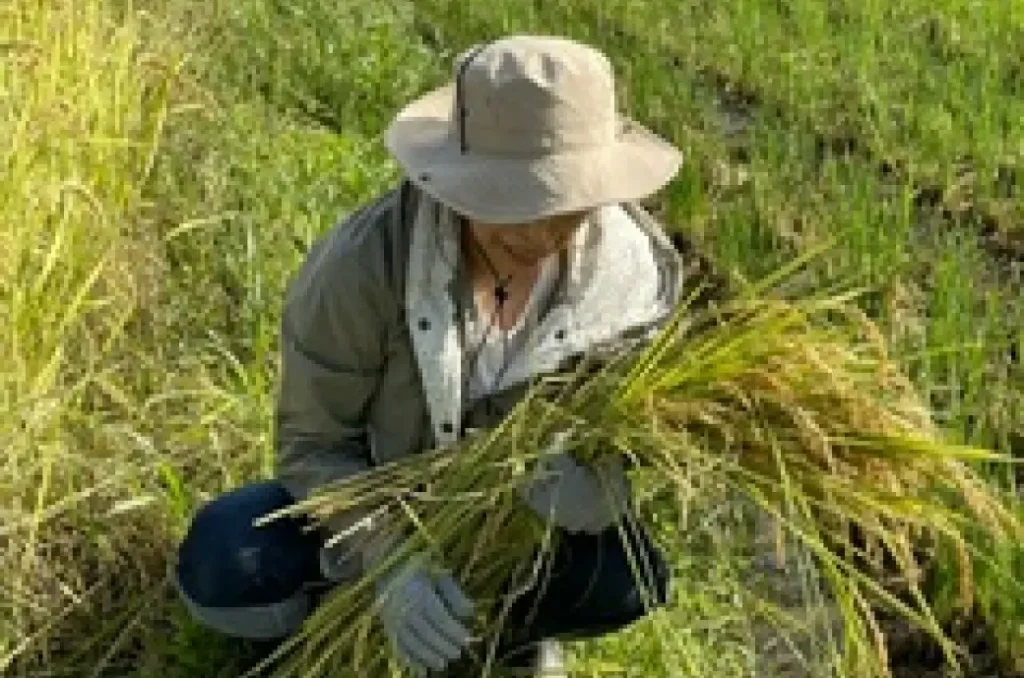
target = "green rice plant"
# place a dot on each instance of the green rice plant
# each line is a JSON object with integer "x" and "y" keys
{"x": 795, "y": 406}
{"x": 82, "y": 110}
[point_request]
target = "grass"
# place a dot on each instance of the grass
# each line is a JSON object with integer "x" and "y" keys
{"x": 82, "y": 113}
{"x": 169, "y": 163}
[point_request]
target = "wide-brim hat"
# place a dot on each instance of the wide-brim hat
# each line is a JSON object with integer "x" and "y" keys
{"x": 528, "y": 128}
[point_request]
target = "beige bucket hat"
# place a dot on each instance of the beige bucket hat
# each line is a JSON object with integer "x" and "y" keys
{"x": 528, "y": 128}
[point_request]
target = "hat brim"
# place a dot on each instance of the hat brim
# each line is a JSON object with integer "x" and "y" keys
{"x": 505, "y": 189}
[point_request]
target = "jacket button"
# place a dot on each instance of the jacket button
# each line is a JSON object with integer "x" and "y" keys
{"x": 560, "y": 335}
{"x": 423, "y": 324}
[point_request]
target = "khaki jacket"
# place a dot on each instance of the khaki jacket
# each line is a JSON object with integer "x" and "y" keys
{"x": 371, "y": 353}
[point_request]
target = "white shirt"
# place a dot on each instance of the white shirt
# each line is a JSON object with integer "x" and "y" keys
{"x": 493, "y": 351}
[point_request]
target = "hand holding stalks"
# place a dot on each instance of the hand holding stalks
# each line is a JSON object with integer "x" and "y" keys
{"x": 422, "y": 609}
{"x": 578, "y": 497}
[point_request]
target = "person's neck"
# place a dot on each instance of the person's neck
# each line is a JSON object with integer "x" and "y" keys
{"x": 491, "y": 268}
{"x": 498, "y": 286}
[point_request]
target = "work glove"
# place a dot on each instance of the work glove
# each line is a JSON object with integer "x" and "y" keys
{"x": 577, "y": 497}
{"x": 423, "y": 610}
{"x": 425, "y": 614}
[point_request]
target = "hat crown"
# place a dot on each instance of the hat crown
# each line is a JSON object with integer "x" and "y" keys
{"x": 534, "y": 94}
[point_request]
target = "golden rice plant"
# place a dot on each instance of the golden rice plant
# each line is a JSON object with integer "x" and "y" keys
{"x": 798, "y": 405}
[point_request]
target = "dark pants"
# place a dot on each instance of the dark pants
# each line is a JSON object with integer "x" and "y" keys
{"x": 261, "y": 582}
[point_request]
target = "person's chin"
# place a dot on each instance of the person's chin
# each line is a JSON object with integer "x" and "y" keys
{"x": 525, "y": 259}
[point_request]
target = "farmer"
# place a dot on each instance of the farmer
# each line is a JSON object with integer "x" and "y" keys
{"x": 513, "y": 246}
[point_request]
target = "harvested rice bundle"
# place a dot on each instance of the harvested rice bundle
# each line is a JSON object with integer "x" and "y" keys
{"x": 799, "y": 405}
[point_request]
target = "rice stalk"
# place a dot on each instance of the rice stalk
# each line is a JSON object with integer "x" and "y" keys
{"x": 796, "y": 405}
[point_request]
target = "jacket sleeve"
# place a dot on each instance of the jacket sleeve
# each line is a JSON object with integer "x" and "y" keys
{"x": 333, "y": 338}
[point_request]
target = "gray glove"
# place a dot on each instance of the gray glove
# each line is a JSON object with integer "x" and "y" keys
{"x": 579, "y": 498}
{"x": 423, "y": 611}
{"x": 424, "y": 614}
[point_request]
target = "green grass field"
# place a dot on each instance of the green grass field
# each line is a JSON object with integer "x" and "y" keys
{"x": 166, "y": 164}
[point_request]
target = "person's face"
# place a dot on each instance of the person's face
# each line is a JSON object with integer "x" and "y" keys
{"x": 526, "y": 244}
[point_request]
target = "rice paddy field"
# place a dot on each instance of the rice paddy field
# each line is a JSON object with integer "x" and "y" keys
{"x": 165, "y": 165}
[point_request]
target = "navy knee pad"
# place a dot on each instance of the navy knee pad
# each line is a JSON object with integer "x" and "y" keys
{"x": 227, "y": 561}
